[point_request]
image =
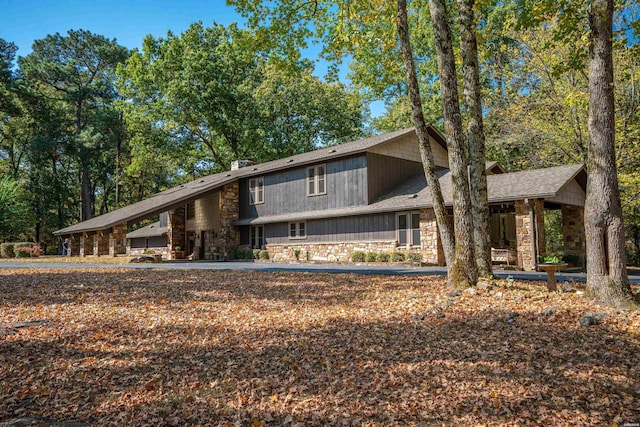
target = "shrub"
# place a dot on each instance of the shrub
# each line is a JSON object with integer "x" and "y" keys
{"x": 370, "y": 257}
{"x": 357, "y": 256}
{"x": 571, "y": 259}
{"x": 148, "y": 252}
{"x": 296, "y": 253}
{"x": 413, "y": 257}
{"x": 383, "y": 257}
{"x": 23, "y": 251}
{"x": 255, "y": 254}
{"x": 263, "y": 254}
{"x": 6, "y": 250}
{"x": 397, "y": 257}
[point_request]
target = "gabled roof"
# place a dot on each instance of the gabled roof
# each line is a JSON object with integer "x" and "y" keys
{"x": 169, "y": 199}
{"x": 414, "y": 194}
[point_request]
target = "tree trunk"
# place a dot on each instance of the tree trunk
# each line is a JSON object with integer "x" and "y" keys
{"x": 428, "y": 162}
{"x": 607, "y": 279}
{"x": 85, "y": 195}
{"x": 475, "y": 135}
{"x": 463, "y": 271}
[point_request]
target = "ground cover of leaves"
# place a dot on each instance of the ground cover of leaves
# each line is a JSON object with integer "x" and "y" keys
{"x": 130, "y": 347}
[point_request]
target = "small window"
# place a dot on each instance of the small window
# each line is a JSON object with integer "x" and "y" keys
{"x": 191, "y": 210}
{"x": 297, "y": 230}
{"x": 257, "y": 237}
{"x": 316, "y": 180}
{"x": 408, "y": 230}
{"x": 256, "y": 190}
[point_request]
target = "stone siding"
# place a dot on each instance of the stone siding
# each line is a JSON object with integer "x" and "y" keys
{"x": 524, "y": 235}
{"x": 430, "y": 244}
{"x": 86, "y": 244}
{"x": 176, "y": 229}
{"x": 330, "y": 252}
{"x": 118, "y": 240}
{"x": 573, "y": 232}
{"x": 227, "y": 235}
{"x": 100, "y": 244}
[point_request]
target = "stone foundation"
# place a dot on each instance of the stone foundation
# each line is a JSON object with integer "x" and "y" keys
{"x": 430, "y": 244}
{"x": 163, "y": 250}
{"x": 328, "y": 252}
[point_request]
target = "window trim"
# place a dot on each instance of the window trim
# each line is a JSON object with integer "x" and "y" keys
{"x": 410, "y": 227}
{"x": 297, "y": 230}
{"x": 255, "y": 191}
{"x": 316, "y": 180}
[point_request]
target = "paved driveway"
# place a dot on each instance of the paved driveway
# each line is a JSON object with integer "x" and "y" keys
{"x": 308, "y": 268}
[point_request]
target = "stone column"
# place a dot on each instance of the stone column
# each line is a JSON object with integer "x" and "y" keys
{"x": 118, "y": 240}
{"x": 524, "y": 236}
{"x": 74, "y": 244}
{"x": 573, "y": 232}
{"x": 176, "y": 229}
{"x": 431, "y": 246}
{"x": 86, "y": 244}
{"x": 228, "y": 233}
{"x": 101, "y": 243}
{"x": 541, "y": 240}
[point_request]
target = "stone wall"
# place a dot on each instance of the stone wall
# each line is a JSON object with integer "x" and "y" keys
{"x": 227, "y": 236}
{"x": 431, "y": 246}
{"x": 118, "y": 240}
{"x": 330, "y": 252}
{"x": 86, "y": 244}
{"x": 573, "y": 232}
{"x": 176, "y": 229}
{"x": 524, "y": 236}
{"x": 74, "y": 244}
{"x": 100, "y": 243}
{"x": 164, "y": 251}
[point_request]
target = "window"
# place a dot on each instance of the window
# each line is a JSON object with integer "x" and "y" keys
{"x": 409, "y": 229}
{"x": 316, "y": 180}
{"x": 257, "y": 236}
{"x": 191, "y": 210}
{"x": 256, "y": 190}
{"x": 297, "y": 230}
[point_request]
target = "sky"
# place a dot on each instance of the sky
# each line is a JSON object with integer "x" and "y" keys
{"x": 128, "y": 21}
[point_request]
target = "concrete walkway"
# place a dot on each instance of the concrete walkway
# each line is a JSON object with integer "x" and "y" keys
{"x": 304, "y": 268}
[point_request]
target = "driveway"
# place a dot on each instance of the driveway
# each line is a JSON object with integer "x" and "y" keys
{"x": 305, "y": 268}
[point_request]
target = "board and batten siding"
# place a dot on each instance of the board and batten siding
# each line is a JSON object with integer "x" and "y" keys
{"x": 375, "y": 227}
{"x": 286, "y": 191}
{"x": 386, "y": 172}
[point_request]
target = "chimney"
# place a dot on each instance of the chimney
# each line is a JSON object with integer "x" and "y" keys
{"x": 237, "y": 164}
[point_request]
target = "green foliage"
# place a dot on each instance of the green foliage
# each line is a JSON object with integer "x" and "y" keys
{"x": 549, "y": 259}
{"x": 12, "y": 210}
{"x": 24, "y": 249}
{"x": 255, "y": 254}
{"x": 296, "y": 253}
{"x": 413, "y": 257}
{"x": 370, "y": 257}
{"x": 397, "y": 257}
{"x": 383, "y": 257}
{"x": 244, "y": 253}
{"x": 358, "y": 256}
{"x": 6, "y": 250}
{"x": 264, "y": 254}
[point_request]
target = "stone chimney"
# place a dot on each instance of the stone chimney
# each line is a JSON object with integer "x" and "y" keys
{"x": 237, "y": 164}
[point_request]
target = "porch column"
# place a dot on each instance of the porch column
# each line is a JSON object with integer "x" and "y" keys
{"x": 74, "y": 244}
{"x": 118, "y": 239}
{"x": 86, "y": 244}
{"x": 573, "y": 232}
{"x": 431, "y": 246}
{"x": 538, "y": 215}
{"x": 101, "y": 243}
{"x": 524, "y": 236}
{"x": 228, "y": 207}
{"x": 176, "y": 229}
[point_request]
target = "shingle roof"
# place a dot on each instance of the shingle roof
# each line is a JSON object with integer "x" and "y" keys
{"x": 151, "y": 230}
{"x": 173, "y": 197}
{"x": 414, "y": 194}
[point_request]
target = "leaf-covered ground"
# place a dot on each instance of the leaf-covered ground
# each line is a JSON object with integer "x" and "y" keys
{"x": 130, "y": 347}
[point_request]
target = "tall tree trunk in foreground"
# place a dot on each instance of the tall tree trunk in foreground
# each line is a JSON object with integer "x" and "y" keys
{"x": 475, "y": 135}
{"x": 607, "y": 279}
{"x": 463, "y": 271}
{"x": 428, "y": 163}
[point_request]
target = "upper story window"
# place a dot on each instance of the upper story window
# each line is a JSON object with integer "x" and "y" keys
{"x": 408, "y": 229}
{"x": 316, "y": 180}
{"x": 256, "y": 190}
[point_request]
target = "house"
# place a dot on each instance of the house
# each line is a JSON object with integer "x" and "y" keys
{"x": 367, "y": 195}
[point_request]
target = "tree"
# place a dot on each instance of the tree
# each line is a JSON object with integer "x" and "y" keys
{"x": 78, "y": 71}
{"x": 607, "y": 278}
{"x": 12, "y": 211}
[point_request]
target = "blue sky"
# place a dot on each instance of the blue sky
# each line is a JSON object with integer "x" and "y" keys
{"x": 128, "y": 21}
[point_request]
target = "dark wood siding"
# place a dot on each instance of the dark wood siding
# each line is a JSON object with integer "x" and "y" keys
{"x": 286, "y": 191}
{"x": 386, "y": 172}
{"x": 344, "y": 229}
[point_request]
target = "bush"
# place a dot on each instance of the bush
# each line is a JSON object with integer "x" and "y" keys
{"x": 263, "y": 254}
{"x": 383, "y": 257}
{"x": 243, "y": 253}
{"x": 296, "y": 253}
{"x": 6, "y": 250}
{"x": 413, "y": 257}
{"x": 255, "y": 254}
{"x": 23, "y": 251}
{"x": 370, "y": 257}
{"x": 148, "y": 252}
{"x": 397, "y": 257}
{"x": 357, "y": 256}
